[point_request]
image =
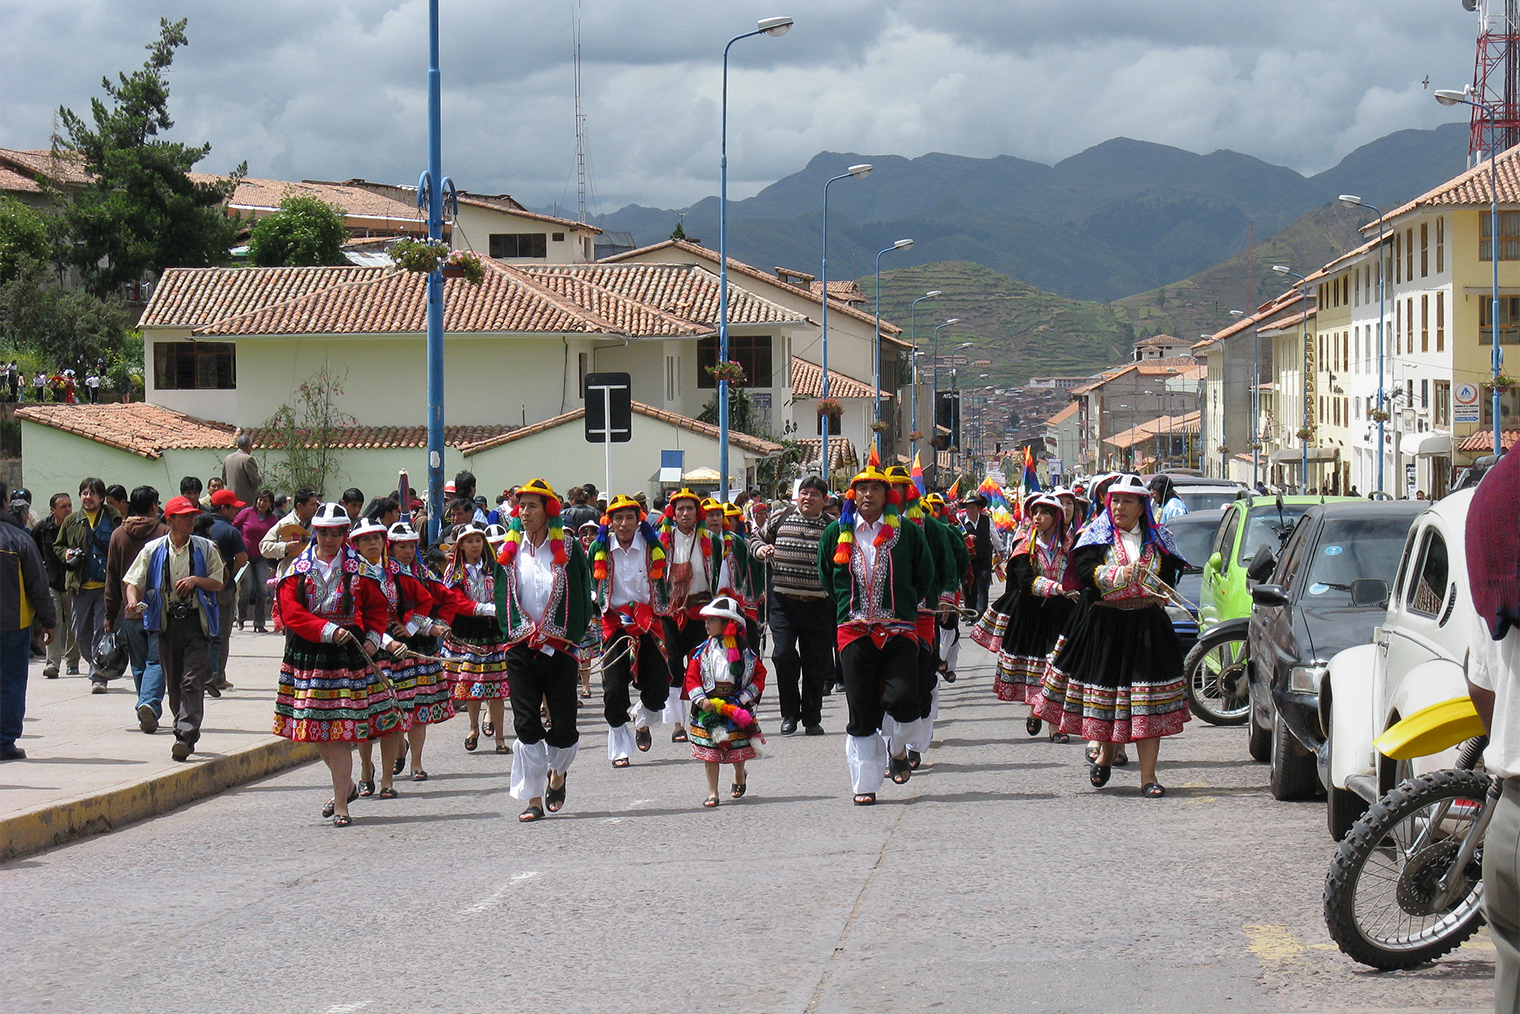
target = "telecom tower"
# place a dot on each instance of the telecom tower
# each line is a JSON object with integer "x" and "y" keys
{"x": 1496, "y": 75}
{"x": 580, "y": 122}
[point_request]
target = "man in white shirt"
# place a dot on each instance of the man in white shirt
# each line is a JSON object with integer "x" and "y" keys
{"x": 543, "y": 603}
{"x": 630, "y": 590}
{"x": 173, "y": 586}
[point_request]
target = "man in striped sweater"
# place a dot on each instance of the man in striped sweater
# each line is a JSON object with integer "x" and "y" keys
{"x": 802, "y": 619}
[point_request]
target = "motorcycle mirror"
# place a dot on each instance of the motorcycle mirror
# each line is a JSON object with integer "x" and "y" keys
{"x": 1263, "y": 562}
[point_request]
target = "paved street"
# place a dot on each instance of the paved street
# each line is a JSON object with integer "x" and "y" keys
{"x": 997, "y": 879}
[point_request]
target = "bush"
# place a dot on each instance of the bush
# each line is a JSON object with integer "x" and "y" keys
{"x": 305, "y": 232}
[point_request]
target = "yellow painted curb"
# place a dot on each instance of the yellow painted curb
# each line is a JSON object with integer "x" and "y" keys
{"x": 105, "y": 811}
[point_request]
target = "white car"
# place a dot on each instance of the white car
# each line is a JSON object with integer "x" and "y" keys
{"x": 1416, "y": 658}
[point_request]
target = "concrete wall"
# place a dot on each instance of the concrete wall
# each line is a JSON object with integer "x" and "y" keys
{"x": 473, "y": 228}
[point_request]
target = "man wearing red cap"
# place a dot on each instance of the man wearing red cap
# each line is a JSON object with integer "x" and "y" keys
{"x": 173, "y": 586}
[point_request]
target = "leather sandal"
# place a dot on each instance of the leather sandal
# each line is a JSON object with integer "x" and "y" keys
{"x": 472, "y": 740}
{"x": 900, "y": 770}
{"x": 366, "y": 788}
{"x": 1152, "y": 790}
{"x": 389, "y": 792}
{"x": 1032, "y": 725}
{"x": 736, "y": 790}
{"x": 710, "y": 802}
{"x": 1099, "y": 774}
{"x": 914, "y": 759}
{"x": 555, "y": 798}
{"x": 329, "y": 806}
{"x": 531, "y": 814}
{"x": 865, "y": 799}
{"x": 1057, "y": 736}
{"x": 622, "y": 762}
{"x": 643, "y": 739}
{"x": 342, "y": 820}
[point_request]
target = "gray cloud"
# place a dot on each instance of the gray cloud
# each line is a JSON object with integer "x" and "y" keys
{"x": 337, "y": 89}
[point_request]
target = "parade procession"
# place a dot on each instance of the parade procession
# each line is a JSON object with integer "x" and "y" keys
{"x": 976, "y": 506}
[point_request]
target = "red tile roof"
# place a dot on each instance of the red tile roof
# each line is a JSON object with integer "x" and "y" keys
{"x": 17, "y": 182}
{"x": 350, "y": 438}
{"x": 686, "y": 291}
{"x": 841, "y": 452}
{"x": 196, "y": 297}
{"x": 807, "y": 382}
{"x": 142, "y": 429}
{"x": 753, "y": 444}
{"x": 1483, "y": 440}
{"x": 1470, "y": 189}
{"x": 1187, "y": 423}
{"x": 1063, "y": 415}
{"x": 887, "y": 328}
{"x": 64, "y": 167}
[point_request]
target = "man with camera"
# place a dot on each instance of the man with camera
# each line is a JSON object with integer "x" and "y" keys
{"x": 83, "y": 542}
{"x": 173, "y": 586}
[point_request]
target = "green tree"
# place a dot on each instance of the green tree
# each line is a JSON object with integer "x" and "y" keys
{"x": 304, "y": 232}
{"x": 307, "y": 433}
{"x": 678, "y": 232}
{"x": 742, "y": 417}
{"x": 140, "y": 212}
{"x": 62, "y": 326}
{"x": 23, "y": 237}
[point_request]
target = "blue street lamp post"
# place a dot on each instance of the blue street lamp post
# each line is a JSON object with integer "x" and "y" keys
{"x": 766, "y": 26}
{"x": 434, "y": 190}
{"x": 901, "y": 244}
{"x": 931, "y": 294}
{"x": 1448, "y": 97}
{"x": 1282, "y": 269}
{"x": 860, "y": 172}
{"x": 1352, "y": 201}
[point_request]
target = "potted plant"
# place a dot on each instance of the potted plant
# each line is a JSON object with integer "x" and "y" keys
{"x": 881, "y": 426}
{"x": 1303, "y": 434}
{"x": 830, "y": 407}
{"x": 916, "y": 435}
{"x": 1223, "y": 449}
{"x": 423, "y": 257}
{"x": 730, "y": 370}
{"x": 1502, "y": 382}
{"x": 1378, "y": 415}
{"x": 465, "y": 264}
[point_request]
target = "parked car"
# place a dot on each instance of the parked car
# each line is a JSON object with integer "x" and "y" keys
{"x": 1415, "y": 658}
{"x": 1328, "y": 592}
{"x": 1194, "y": 532}
{"x": 1201, "y": 493}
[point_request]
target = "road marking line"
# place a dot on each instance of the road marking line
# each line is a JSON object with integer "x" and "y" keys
{"x": 347, "y": 1008}
{"x": 497, "y": 895}
{"x": 1273, "y": 944}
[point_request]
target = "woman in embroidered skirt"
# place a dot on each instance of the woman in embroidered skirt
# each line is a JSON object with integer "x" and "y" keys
{"x": 331, "y": 694}
{"x": 1115, "y": 675}
{"x": 724, "y": 680}
{"x": 422, "y": 613}
{"x": 474, "y": 653}
{"x": 1046, "y": 598}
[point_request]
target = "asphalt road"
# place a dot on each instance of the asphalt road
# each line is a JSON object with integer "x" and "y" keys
{"x": 997, "y": 879}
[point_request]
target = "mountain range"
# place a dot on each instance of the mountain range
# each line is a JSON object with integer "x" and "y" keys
{"x": 1122, "y": 218}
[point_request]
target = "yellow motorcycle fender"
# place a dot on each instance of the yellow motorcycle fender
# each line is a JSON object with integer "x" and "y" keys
{"x": 1431, "y": 730}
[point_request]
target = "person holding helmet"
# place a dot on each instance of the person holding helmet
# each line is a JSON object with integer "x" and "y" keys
{"x": 724, "y": 681}
{"x": 543, "y": 603}
{"x": 1115, "y": 674}
{"x": 877, "y": 570}
{"x": 631, "y": 593}
{"x": 172, "y": 585}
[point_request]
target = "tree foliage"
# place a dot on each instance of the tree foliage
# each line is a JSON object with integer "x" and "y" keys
{"x": 305, "y": 232}
{"x": 140, "y": 212}
{"x": 306, "y": 434}
{"x": 23, "y": 237}
{"x": 67, "y": 326}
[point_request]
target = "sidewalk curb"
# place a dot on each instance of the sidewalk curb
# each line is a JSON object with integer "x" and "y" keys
{"x": 106, "y": 811}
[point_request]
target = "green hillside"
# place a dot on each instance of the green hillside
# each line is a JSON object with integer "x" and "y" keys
{"x": 1023, "y": 330}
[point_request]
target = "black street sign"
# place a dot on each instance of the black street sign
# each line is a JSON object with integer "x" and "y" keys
{"x": 609, "y": 409}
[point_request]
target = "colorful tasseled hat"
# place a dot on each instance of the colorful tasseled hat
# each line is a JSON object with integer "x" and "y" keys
{"x": 848, "y": 514}
{"x": 685, "y": 494}
{"x": 601, "y": 543}
{"x": 539, "y": 488}
{"x": 872, "y": 472}
{"x": 622, "y": 502}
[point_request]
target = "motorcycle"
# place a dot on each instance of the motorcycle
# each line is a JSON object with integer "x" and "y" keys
{"x": 1406, "y": 884}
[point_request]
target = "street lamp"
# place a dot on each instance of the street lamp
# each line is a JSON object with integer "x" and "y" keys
{"x": 1282, "y": 269}
{"x": 765, "y": 26}
{"x": 934, "y": 390}
{"x": 859, "y": 172}
{"x": 901, "y": 244}
{"x": 1450, "y": 97}
{"x": 931, "y": 294}
{"x": 434, "y": 190}
{"x": 1352, "y": 201}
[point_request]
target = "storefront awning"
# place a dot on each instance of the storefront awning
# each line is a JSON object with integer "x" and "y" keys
{"x": 1295, "y": 455}
{"x": 1425, "y": 445}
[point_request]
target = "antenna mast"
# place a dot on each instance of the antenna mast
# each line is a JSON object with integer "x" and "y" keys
{"x": 580, "y": 121}
{"x": 1496, "y": 75}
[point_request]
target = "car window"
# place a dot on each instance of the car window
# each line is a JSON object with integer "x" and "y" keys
{"x": 1292, "y": 554}
{"x": 1353, "y": 548}
{"x": 1428, "y": 589}
{"x": 1206, "y": 501}
{"x": 1264, "y": 526}
{"x": 1193, "y": 538}
{"x": 1225, "y": 542}
{"x": 1397, "y": 595}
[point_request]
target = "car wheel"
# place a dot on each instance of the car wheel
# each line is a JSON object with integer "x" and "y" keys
{"x": 1258, "y": 739}
{"x": 1342, "y": 806}
{"x": 1292, "y": 776}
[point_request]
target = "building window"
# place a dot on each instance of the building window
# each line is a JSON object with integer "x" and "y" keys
{"x": 1409, "y": 253}
{"x": 1409, "y": 323}
{"x": 672, "y": 377}
{"x": 1424, "y": 249}
{"x": 1509, "y": 320}
{"x": 505, "y": 245}
{"x": 1424, "y": 394}
{"x": 195, "y": 366}
{"x": 1424, "y": 322}
{"x": 1398, "y": 328}
{"x": 1509, "y": 236}
{"x": 1440, "y": 321}
{"x": 559, "y": 237}
{"x": 1443, "y": 403}
{"x": 583, "y": 367}
{"x": 752, "y": 351}
{"x": 1397, "y": 260}
{"x": 1440, "y": 245}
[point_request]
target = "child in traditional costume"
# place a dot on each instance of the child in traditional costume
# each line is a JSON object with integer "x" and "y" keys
{"x": 475, "y": 654}
{"x": 724, "y": 681}
{"x": 423, "y": 611}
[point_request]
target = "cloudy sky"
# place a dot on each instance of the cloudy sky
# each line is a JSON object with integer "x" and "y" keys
{"x": 335, "y": 89}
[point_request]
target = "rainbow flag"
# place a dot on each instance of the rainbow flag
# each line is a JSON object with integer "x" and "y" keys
{"x": 917, "y": 472}
{"x": 997, "y": 504}
{"x": 1031, "y": 481}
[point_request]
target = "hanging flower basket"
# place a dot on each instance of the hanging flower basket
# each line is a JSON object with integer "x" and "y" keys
{"x": 1378, "y": 415}
{"x": 916, "y": 435}
{"x": 1223, "y": 449}
{"x": 881, "y": 426}
{"x": 423, "y": 257}
{"x": 465, "y": 264}
{"x": 730, "y": 370}
{"x": 1255, "y": 445}
{"x": 1302, "y": 434}
{"x": 1502, "y": 382}
{"x": 830, "y": 407}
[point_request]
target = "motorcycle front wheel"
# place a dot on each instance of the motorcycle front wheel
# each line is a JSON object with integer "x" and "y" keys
{"x": 1215, "y": 671}
{"x": 1382, "y": 886}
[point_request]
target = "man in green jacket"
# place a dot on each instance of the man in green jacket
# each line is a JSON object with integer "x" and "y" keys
{"x": 876, "y": 570}
{"x": 543, "y": 604}
{"x": 83, "y": 543}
